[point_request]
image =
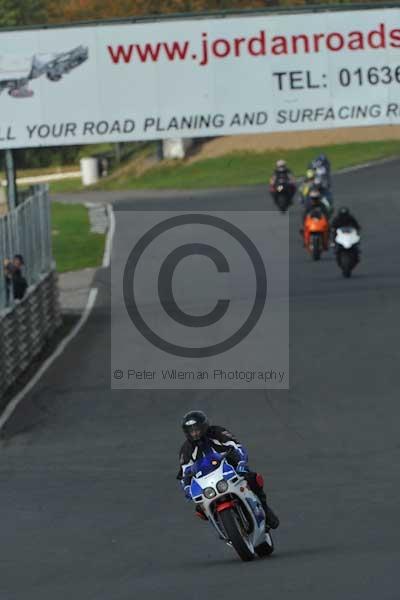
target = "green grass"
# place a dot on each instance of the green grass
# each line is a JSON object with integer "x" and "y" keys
{"x": 239, "y": 168}
{"x": 67, "y": 185}
{"x": 74, "y": 246}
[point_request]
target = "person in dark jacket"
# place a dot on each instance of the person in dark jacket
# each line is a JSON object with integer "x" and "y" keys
{"x": 19, "y": 282}
{"x": 8, "y": 275}
{"x": 282, "y": 175}
{"x": 314, "y": 201}
{"x": 201, "y": 437}
{"x": 344, "y": 218}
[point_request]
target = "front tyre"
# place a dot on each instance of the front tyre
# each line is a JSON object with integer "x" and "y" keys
{"x": 233, "y": 530}
{"x": 282, "y": 202}
{"x": 266, "y": 548}
{"x": 346, "y": 261}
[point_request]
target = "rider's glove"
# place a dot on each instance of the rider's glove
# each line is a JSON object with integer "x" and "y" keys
{"x": 242, "y": 467}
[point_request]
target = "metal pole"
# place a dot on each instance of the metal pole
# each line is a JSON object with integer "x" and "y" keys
{"x": 11, "y": 180}
{"x": 160, "y": 150}
{"x": 117, "y": 151}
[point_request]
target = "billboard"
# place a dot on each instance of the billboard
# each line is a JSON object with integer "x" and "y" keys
{"x": 199, "y": 77}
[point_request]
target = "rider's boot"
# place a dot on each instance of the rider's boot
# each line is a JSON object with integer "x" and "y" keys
{"x": 256, "y": 484}
{"x": 271, "y": 520}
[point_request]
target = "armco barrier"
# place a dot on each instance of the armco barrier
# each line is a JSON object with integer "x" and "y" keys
{"x": 26, "y": 230}
{"x": 26, "y": 327}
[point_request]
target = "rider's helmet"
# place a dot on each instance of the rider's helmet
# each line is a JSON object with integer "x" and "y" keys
{"x": 344, "y": 211}
{"x": 323, "y": 159}
{"x": 281, "y": 166}
{"x": 195, "y": 425}
{"x": 310, "y": 174}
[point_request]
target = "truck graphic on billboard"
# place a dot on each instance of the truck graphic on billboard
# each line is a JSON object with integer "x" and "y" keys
{"x": 16, "y": 72}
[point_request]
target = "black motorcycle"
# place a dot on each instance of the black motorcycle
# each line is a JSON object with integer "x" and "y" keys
{"x": 283, "y": 195}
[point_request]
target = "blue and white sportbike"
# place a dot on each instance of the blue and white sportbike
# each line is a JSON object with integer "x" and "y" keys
{"x": 231, "y": 507}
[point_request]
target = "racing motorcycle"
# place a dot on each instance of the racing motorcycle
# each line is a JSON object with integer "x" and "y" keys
{"x": 347, "y": 249}
{"x": 230, "y": 506}
{"x": 316, "y": 233}
{"x": 283, "y": 196}
{"x": 322, "y": 170}
{"x": 323, "y": 174}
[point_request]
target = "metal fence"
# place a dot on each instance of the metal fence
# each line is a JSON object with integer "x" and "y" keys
{"x": 28, "y": 324}
{"x": 26, "y": 329}
{"x": 26, "y": 230}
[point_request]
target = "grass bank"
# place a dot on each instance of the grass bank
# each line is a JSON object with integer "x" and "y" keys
{"x": 74, "y": 246}
{"x": 238, "y": 168}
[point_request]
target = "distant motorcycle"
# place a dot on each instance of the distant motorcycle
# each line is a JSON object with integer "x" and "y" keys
{"x": 323, "y": 174}
{"x": 230, "y": 506}
{"x": 347, "y": 248}
{"x": 322, "y": 170}
{"x": 282, "y": 194}
{"x": 316, "y": 233}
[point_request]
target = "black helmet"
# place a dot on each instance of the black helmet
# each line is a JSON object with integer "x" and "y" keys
{"x": 344, "y": 211}
{"x": 195, "y": 425}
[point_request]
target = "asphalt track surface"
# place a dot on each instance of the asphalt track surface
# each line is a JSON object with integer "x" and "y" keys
{"x": 89, "y": 505}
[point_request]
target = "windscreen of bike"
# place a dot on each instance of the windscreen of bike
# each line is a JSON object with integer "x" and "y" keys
{"x": 206, "y": 464}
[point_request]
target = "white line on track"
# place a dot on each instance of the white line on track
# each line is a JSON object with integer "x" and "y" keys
{"x": 373, "y": 163}
{"x": 12, "y": 405}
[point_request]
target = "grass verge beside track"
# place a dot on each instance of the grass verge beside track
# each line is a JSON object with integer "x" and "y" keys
{"x": 238, "y": 168}
{"x": 74, "y": 245}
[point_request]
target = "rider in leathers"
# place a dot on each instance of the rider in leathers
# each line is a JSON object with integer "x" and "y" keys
{"x": 344, "y": 218}
{"x": 315, "y": 201}
{"x": 201, "y": 438}
{"x": 282, "y": 175}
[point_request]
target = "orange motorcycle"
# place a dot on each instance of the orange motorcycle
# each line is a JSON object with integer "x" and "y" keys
{"x": 316, "y": 233}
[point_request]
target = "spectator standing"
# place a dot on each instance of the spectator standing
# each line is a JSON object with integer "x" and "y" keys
{"x": 20, "y": 284}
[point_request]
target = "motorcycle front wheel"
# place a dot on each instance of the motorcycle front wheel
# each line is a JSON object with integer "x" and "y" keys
{"x": 266, "y": 548}
{"x": 346, "y": 264}
{"x": 282, "y": 203}
{"x": 232, "y": 528}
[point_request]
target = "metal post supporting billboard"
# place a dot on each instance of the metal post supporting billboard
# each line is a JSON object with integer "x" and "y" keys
{"x": 11, "y": 180}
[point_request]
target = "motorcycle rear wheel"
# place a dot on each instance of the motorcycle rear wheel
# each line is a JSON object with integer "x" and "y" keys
{"x": 232, "y": 528}
{"x": 316, "y": 247}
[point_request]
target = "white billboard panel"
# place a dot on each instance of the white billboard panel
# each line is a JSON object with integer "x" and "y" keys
{"x": 199, "y": 77}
